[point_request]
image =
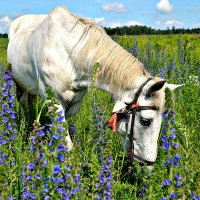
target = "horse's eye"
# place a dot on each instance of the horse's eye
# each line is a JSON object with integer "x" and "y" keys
{"x": 145, "y": 122}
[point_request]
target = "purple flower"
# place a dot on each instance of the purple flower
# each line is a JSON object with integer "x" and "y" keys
{"x": 46, "y": 197}
{"x": 61, "y": 119}
{"x": 10, "y": 198}
{"x": 175, "y": 146}
{"x": 177, "y": 177}
{"x": 38, "y": 176}
{"x": 166, "y": 145}
{"x": 164, "y": 139}
{"x": 60, "y": 129}
{"x": 56, "y": 170}
{"x": 195, "y": 197}
{"x": 41, "y": 133}
{"x": 172, "y": 136}
{"x": 30, "y": 166}
{"x": 179, "y": 184}
{"x": 141, "y": 195}
{"x": 177, "y": 156}
{"x": 166, "y": 182}
{"x": 173, "y": 195}
{"x": 60, "y": 148}
{"x": 60, "y": 157}
{"x": 164, "y": 130}
{"x": 173, "y": 130}
{"x": 45, "y": 162}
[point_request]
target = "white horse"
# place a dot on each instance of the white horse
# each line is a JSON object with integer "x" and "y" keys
{"x": 59, "y": 51}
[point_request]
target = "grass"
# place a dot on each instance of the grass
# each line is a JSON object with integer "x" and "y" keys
{"x": 97, "y": 167}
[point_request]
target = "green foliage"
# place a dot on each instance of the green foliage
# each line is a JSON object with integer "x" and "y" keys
{"x": 173, "y": 57}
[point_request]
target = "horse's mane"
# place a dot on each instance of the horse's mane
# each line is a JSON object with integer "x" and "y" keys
{"x": 118, "y": 67}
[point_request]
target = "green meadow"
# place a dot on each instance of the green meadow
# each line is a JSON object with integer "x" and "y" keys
{"x": 36, "y": 165}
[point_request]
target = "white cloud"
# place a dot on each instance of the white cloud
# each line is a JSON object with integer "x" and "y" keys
{"x": 173, "y": 23}
{"x": 132, "y": 23}
{"x": 164, "y": 6}
{"x": 158, "y": 22}
{"x": 113, "y": 7}
{"x": 4, "y": 24}
{"x": 128, "y": 23}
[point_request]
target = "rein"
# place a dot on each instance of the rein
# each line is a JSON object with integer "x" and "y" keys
{"x": 131, "y": 108}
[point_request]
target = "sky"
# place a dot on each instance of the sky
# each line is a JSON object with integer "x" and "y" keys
{"x": 159, "y": 14}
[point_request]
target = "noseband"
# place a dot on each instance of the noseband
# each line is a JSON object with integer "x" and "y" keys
{"x": 131, "y": 108}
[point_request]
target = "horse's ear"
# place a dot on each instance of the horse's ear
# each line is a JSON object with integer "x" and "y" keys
{"x": 173, "y": 87}
{"x": 155, "y": 87}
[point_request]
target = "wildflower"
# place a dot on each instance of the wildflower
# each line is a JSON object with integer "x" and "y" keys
{"x": 61, "y": 119}
{"x": 173, "y": 195}
{"x": 46, "y": 197}
{"x": 178, "y": 184}
{"x": 60, "y": 129}
{"x": 172, "y": 136}
{"x": 173, "y": 130}
{"x": 30, "y": 166}
{"x": 141, "y": 195}
{"x": 38, "y": 176}
{"x": 45, "y": 162}
{"x": 41, "y": 133}
{"x": 56, "y": 170}
{"x": 175, "y": 146}
{"x": 166, "y": 182}
{"x": 195, "y": 197}
{"x": 60, "y": 148}
{"x": 60, "y": 157}
{"x": 177, "y": 177}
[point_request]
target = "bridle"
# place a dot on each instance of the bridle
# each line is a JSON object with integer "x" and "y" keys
{"x": 126, "y": 112}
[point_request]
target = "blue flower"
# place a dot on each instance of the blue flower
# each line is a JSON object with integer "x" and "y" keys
{"x": 60, "y": 148}
{"x": 56, "y": 170}
{"x": 177, "y": 156}
{"x": 179, "y": 184}
{"x": 141, "y": 195}
{"x": 175, "y": 146}
{"x": 41, "y": 133}
{"x": 60, "y": 157}
{"x": 164, "y": 130}
{"x": 38, "y": 176}
{"x": 30, "y": 166}
{"x": 60, "y": 129}
{"x": 173, "y": 195}
{"x": 195, "y": 197}
{"x": 172, "y": 136}
{"x": 173, "y": 130}
{"x": 166, "y": 182}
{"x": 177, "y": 177}
{"x": 45, "y": 162}
{"x": 61, "y": 119}
{"x": 47, "y": 197}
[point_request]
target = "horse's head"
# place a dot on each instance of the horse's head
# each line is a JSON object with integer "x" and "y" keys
{"x": 139, "y": 117}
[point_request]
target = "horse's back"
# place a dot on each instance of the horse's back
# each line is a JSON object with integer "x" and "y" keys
{"x": 25, "y": 23}
{"x": 42, "y": 50}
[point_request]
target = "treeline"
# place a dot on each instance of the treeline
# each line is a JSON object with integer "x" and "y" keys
{"x": 144, "y": 30}
{"x": 4, "y": 35}
{"x": 141, "y": 30}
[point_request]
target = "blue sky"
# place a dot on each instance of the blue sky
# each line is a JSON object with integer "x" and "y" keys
{"x": 111, "y": 13}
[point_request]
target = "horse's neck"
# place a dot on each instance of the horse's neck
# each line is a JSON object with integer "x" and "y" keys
{"x": 119, "y": 72}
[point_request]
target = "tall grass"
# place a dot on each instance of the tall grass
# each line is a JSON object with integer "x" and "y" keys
{"x": 35, "y": 164}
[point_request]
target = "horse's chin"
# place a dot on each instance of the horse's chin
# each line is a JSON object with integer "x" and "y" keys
{"x": 142, "y": 164}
